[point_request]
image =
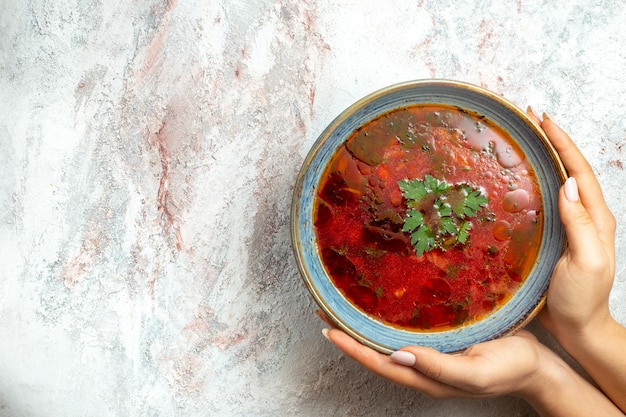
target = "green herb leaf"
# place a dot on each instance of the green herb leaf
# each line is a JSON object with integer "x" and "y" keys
{"x": 423, "y": 240}
{"x": 412, "y": 190}
{"x": 444, "y": 223}
{"x": 413, "y": 220}
{"x": 449, "y": 226}
{"x": 474, "y": 201}
{"x": 434, "y": 185}
{"x": 444, "y": 209}
{"x": 464, "y": 232}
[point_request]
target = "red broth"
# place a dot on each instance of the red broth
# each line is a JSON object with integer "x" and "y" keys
{"x": 360, "y": 211}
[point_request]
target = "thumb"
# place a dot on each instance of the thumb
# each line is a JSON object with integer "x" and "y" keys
{"x": 582, "y": 235}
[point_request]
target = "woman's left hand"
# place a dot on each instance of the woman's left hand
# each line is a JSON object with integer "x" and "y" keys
{"x": 498, "y": 367}
{"x": 515, "y": 365}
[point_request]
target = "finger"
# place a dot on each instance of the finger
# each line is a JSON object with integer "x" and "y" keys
{"x": 531, "y": 113}
{"x": 457, "y": 371}
{"x": 590, "y": 191}
{"x": 574, "y": 161}
{"x": 470, "y": 372}
{"x": 383, "y": 366}
{"x": 582, "y": 236}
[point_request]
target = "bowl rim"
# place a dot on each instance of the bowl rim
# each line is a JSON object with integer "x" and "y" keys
{"x": 559, "y": 171}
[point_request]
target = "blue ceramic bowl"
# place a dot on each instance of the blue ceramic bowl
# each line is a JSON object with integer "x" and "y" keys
{"x": 506, "y": 320}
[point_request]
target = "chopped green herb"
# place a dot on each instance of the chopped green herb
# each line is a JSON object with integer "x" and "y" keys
{"x": 464, "y": 232}
{"x": 374, "y": 252}
{"x": 379, "y": 292}
{"x": 438, "y": 212}
{"x": 365, "y": 283}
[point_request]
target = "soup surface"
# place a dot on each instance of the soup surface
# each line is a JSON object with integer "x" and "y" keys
{"x": 428, "y": 218}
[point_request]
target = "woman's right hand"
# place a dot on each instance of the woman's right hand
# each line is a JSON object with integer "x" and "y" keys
{"x": 582, "y": 279}
{"x": 577, "y": 312}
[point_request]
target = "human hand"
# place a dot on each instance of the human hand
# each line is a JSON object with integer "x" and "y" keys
{"x": 577, "y": 311}
{"x": 517, "y": 365}
{"x": 577, "y": 301}
{"x": 511, "y": 365}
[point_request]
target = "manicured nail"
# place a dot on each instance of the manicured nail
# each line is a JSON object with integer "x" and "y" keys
{"x": 325, "y": 333}
{"x": 544, "y": 116}
{"x": 403, "y": 358}
{"x": 532, "y": 111}
{"x": 571, "y": 189}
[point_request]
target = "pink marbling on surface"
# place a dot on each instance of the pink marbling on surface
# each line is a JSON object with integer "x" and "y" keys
{"x": 148, "y": 157}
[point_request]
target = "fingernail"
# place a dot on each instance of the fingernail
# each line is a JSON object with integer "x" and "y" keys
{"x": 571, "y": 189}
{"x": 532, "y": 111}
{"x": 544, "y": 116}
{"x": 325, "y": 333}
{"x": 403, "y": 358}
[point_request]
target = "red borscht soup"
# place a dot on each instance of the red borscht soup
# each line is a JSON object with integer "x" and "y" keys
{"x": 428, "y": 218}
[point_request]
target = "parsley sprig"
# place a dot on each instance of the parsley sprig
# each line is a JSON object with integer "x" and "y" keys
{"x": 438, "y": 213}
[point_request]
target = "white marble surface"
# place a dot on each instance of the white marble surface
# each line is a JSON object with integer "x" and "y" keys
{"x": 148, "y": 152}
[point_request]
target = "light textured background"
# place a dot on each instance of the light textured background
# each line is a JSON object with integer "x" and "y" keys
{"x": 148, "y": 152}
